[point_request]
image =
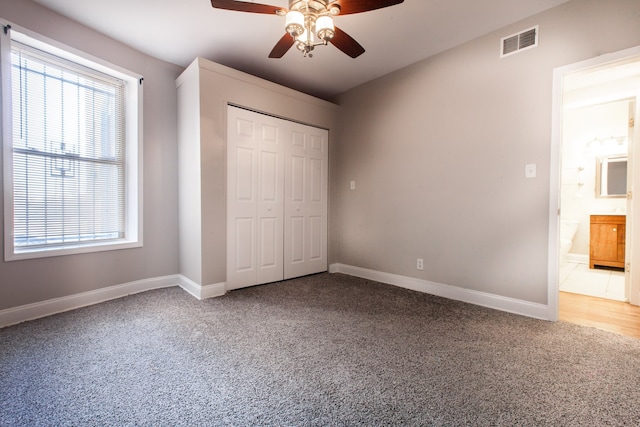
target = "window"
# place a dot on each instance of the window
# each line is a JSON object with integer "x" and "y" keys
{"x": 70, "y": 130}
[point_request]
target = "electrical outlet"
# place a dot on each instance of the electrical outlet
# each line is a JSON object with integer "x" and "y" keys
{"x": 420, "y": 264}
{"x": 530, "y": 170}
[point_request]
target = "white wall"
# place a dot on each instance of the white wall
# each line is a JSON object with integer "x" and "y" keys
{"x": 29, "y": 281}
{"x": 438, "y": 151}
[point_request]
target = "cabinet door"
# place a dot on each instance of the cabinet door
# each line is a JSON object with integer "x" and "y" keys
{"x": 605, "y": 242}
{"x": 622, "y": 230}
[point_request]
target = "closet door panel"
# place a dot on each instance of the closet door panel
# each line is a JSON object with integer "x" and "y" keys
{"x": 244, "y": 166}
{"x": 269, "y": 177}
{"x": 296, "y": 241}
{"x": 305, "y": 202}
{"x": 268, "y": 242}
{"x": 297, "y": 179}
{"x": 242, "y": 157}
{"x": 244, "y": 244}
{"x": 254, "y": 199}
{"x": 316, "y": 177}
{"x": 316, "y": 232}
{"x": 269, "y": 260}
{"x": 316, "y": 250}
{"x": 270, "y": 205}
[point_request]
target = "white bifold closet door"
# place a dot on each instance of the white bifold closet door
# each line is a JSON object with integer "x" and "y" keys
{"x": 276, "y": 199}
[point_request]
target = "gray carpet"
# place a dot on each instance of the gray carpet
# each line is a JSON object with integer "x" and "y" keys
{"x": 325, "y": 350}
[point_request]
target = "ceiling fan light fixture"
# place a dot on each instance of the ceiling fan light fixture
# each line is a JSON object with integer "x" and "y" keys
{"x": 306, "y": 38}
{"x": 294, "y": 23}
{"x": 306, "y": 43}
{"x": 325, "y": 29}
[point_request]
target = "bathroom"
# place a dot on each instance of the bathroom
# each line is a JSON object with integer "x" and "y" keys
{"x": 595, "y": 141}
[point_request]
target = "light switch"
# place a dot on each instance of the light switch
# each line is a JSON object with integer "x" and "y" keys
{"x": 530, "y": 170}
{"x": 352, "y": 185}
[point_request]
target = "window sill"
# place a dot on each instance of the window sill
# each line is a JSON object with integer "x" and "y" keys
{"x": 70, "y": 250}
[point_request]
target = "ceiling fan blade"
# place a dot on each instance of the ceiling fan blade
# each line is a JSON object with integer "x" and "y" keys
{"x": 346, "y": 43}
{"x": 243, "y": 6}
{"x": 282, "y": 47}
{"x": 348, "y": 7}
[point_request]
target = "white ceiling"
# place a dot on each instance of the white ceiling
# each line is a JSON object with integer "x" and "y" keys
{"x": 177, "y": 31}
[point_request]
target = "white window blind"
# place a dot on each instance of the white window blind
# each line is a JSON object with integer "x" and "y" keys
{"x": 68, "y": 152}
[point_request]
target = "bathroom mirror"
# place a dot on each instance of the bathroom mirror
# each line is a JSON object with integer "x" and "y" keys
{"x": 611, "y": 176}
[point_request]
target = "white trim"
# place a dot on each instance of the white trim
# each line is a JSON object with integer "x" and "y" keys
{"x": 36, "y": 310}
{"x": 511, "y": 305}
{"x": 6, "y": 135}
{"x": 202, "y": 292}
{"x": 67, "y": 52}
{"x": 553, "y": 261}
{"x": 232, "y": 73}
{"x": 23, "y": 313}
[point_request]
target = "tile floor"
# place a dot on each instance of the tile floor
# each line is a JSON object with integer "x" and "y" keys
{"x": 580, "y": 279}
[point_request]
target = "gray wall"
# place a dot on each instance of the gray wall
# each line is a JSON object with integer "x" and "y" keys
{"x": 28, "y": 281}
{"x": 438, "y": 151}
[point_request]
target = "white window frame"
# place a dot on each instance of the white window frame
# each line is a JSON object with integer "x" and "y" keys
{"x": 133, "y": 146}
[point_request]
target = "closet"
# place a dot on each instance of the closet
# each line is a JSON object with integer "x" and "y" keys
{"x": 276, "y": 198}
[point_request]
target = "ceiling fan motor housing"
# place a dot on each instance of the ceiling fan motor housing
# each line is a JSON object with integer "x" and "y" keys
{"x": 307, "y": 18}
{"x": 319, "y": 7}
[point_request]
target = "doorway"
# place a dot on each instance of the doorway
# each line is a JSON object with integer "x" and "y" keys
{"x": 593, "y": 196}
{"x": 585, "y": 96}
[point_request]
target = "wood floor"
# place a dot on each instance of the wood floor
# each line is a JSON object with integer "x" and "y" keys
{"x": 609, "y": 315}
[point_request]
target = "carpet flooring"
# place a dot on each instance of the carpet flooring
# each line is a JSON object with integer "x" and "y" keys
{"x": 323, "y": 350}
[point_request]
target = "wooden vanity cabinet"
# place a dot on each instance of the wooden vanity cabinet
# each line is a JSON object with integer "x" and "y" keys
{"x": 607, "y": 239}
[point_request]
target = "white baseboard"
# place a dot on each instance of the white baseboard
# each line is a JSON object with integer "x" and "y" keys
{"x": 14, "y": 315}
{"x": 202, "y": 292}
{"x": 511, "y": 305}
{"x": 23, "y": 313}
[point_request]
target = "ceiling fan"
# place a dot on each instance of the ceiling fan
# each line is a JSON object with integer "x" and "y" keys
{"x": 306, "y": 20}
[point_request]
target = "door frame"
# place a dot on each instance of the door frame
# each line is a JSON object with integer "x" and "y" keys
{"x": 555, "y": 173}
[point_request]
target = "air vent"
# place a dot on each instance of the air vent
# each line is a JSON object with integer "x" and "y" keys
{"x": 515, "y": 43}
